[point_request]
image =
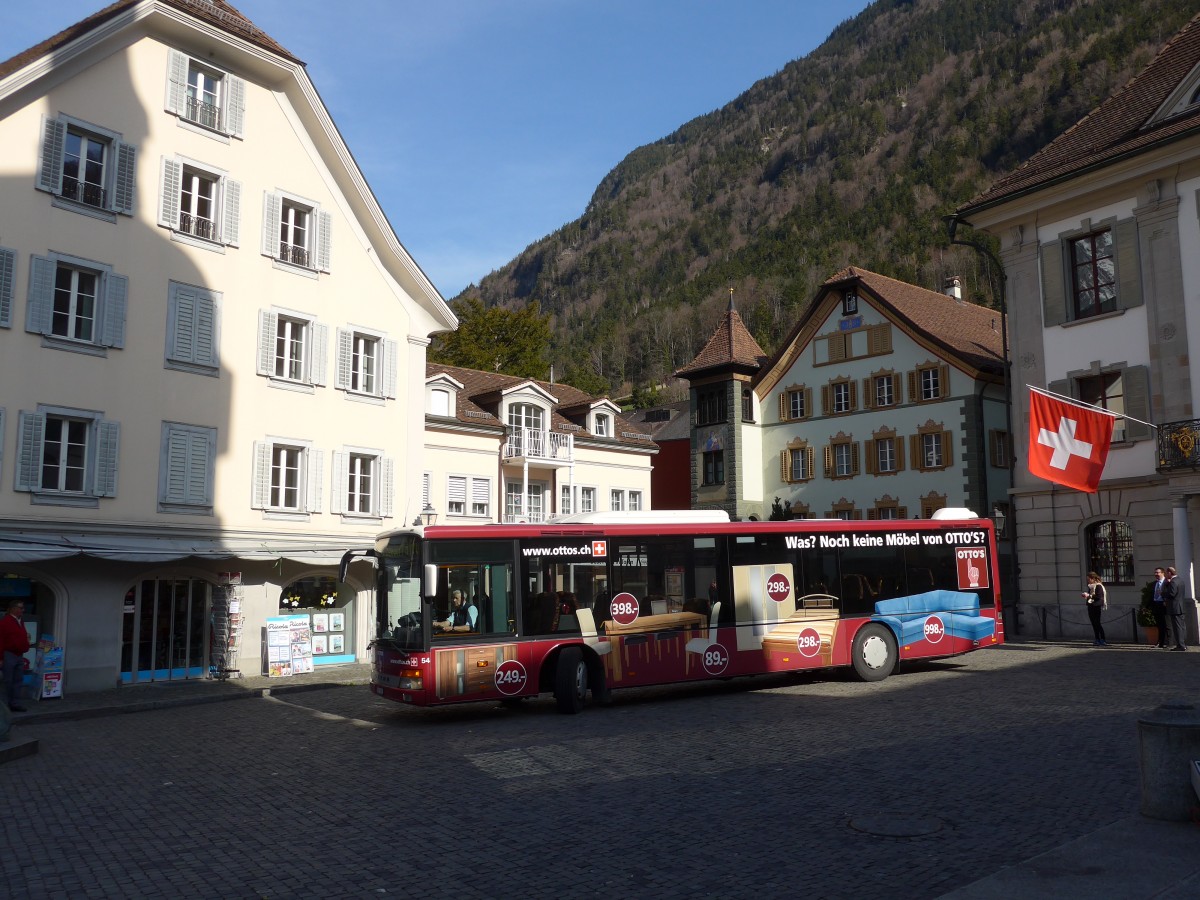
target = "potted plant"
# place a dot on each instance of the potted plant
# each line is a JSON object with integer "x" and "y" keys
{"x": 1145, "y": 614}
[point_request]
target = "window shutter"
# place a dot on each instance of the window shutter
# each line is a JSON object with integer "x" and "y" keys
{"x": 871, "y": 449}
{"x": 872, "y": 514}
{"x": 206, "y": 329}
{"x": 826, "y": 399}
{"x": 837, "y": 347}
{"x": 947, "y": 450}
{"x": 54, "y": 135}
{"x": 324, "y": 240}
{"x": 1137, "y": 402}
{"x": 116, "y": 289}
{"x": 943, "y": 380}
{"x": 232, "y": 213}
{"x": 344, "y": 354}
{"x": 868, "y": 393}
{"x": 1054, "y": 288}
{"x": 268, "y": 325}
{"x": 810, "y": 457}
{"x": 200, "y": 450}
{"x": 168, "y": 204}
{"x": 319, "y": 355}
{"x": 387, "y": 486}
{"x": 391, "y": 366}
{"x": 41, "y": 294}
{"x": 235, "y": 105}
{"x": 341, "y": 482}
{"x": 456, "y": 490}
{"x": 785, "y": 474}
{"x": 183, "y": 337}
{"x": 785, "y": 409}
{"x": 178, "y": 457}
{"x": 1129, "y": 270}
{"x": 808, "y": 402}
{"x": 31, "y": 427}
{"x": 123, "y": 190}
{"x": 272, "y": 213}
{"x": 896, "y": 396}
{"x": 854, "y": 470}
{"x": 107, "y": 448}
{"x": 913, "y": 391}
{"x": 260, "y": 493}
{"x": 899, "y": 453}
{"x": 315, "y": 461}
{"x": 914, "y": 446}
{"x": 828, "y": 460}
{"x": 177, "y": 69}
{"x": 8, "y": 263}
{"x": 853, "y": 386}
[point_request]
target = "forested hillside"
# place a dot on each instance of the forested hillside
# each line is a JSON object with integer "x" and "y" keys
{"x": 848, "y": 156}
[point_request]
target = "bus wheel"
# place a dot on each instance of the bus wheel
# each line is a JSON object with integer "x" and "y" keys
{"x": 874, "y": 652}
{"x": 570, "y": 680}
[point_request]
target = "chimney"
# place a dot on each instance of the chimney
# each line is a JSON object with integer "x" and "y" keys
{"x": 953, "y": 288}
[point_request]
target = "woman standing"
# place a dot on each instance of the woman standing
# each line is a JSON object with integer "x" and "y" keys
{"x": 1097, "y": 602}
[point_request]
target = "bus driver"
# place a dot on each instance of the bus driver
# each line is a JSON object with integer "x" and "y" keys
{"x": 463, "y": 615}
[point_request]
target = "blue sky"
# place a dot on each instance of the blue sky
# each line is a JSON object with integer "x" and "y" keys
{"x": 483, "y": 125}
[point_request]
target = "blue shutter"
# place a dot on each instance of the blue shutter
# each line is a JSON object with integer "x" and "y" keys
{"x": 199, "y": 483}
{"x": 123, "y": 192}
{"x": 31, "y": 427}
{"x": 107, "y": 450}
{"x": 176, "y": 463}
{"x": 54, "y": 135}
{"x": 116, "y": 287}
{"x": 41, "y": 294}
{"x": 183, "y": 327}
{"x": 177, "y": 71}
{"x": 231, "y": 228}
{"x": 206, "y": 330}
{"x": 235, "y": 105}
{"x": 8, "y": 262}
{"x": 168, "y": 207}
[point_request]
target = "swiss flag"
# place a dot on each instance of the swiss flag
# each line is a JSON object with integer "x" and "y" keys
{"x": 1068, "y": 444}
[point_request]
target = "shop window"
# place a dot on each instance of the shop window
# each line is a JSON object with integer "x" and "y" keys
{"x": 330, "y": 614}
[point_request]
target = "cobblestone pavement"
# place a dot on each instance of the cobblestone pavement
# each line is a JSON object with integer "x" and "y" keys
{"x": 798, "y": 786}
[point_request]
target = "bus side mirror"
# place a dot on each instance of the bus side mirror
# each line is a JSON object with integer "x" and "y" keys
{"x": 349, "y": 555}
{"x": 431, "y": 578}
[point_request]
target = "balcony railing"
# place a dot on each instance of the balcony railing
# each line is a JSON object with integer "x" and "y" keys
{"x": 293, "y": 254}
{"x": 1179, "y": 445}
{"x": 202, "y": 113}
{"x": 533, "y": 443}
{"x": 84, "y": 192}
{"x": 200, "y": 227}
{"x": 529, "y": 518}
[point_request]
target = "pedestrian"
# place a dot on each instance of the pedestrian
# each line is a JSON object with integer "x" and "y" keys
{"x": 14, "y": 641}
{"x": 1158, "y": 608}
{"x": 1174, "y": 608}
{"x": 1097, "y": 602}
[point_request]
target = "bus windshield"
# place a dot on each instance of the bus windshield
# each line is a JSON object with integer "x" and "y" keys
{"x": 399, "y": 607}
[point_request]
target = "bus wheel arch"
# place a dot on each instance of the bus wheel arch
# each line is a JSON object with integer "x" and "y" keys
{"x": 598, "y": 679}
{"x": 875, "y": 652}
{"x": 570, "y": 679}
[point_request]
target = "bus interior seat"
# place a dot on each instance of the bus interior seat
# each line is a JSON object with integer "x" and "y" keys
{"x": 700, "y": 644}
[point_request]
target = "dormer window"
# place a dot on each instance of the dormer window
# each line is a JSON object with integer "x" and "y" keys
{"x": 603, "y": 425}
{"x": 526, "y": 415}
{"x": 850, "y": 304}
{"x": 441, "y": 396}
{"x": 439, "y": 402}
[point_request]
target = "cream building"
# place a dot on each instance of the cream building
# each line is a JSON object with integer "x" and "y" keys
{"x": 212, "y": 346}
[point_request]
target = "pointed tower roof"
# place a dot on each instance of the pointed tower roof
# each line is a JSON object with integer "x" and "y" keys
{"x": 731, "y": 347}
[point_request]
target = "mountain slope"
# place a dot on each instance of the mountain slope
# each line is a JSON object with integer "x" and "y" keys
{"x": 849, "y": 156}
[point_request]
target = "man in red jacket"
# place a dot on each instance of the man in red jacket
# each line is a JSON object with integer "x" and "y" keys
{"x": 14, "y": 641}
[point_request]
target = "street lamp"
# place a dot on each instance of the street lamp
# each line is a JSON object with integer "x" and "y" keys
{"x": 998, "y": 519}
{"x": 427, "y": 517}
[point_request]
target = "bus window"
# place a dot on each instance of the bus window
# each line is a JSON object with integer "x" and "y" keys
{"x": 555, "y": 591}
{"x": 399, "y": 589}
{"x": 475, "y": 589}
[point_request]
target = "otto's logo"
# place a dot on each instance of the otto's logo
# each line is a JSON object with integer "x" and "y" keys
{"x": 779, "y": 588}
{"x": 599, "y": 548}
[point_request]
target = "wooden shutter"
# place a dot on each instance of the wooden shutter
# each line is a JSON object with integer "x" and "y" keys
{"x": 1129, "y": 270}
{"x": 785, "y": 467}
{"x": 897, "y": 399}
{"x": 54, "y": 135}
{"x": 826, "y": 399}
{"x": 341, "y": 479}
{"x": 123, "y": 192}
{"x": 8, "y": 264}
{"x": 344, "y": 356}
{"x": 853, "y": 386}
{"x": 899, "y": 453}
{"x": 314, "y": 461}
{"x": 31, "y": 427}
{"x": 785, "y": 409}
{"x": 260, "y": 494}
{"x": 272, "y": 212}
{"x": 828, "y": 460}
{"x": 948, "y": 456}
{"x": 914, "y": 388}
{"x": 231, "y": 213}
{"x": 268, "y": 325}
{"x": 868, "y": 385}
{"x": 235, "y": 105}
{"x": 41, "y": 294}
{"x": 854, "y": 456}
{"x": 116, "y": 289}
{"x": 1054, "y": 288}
{"x": 324, "y": 239}
{"x": 318, "y": 353}
{"x": 1136, "y": 381}
{"x": 837, "y": 347}
{"x": 107, "y": 450}
{"x": 871, "y": 449}
{"x": 177, "y": 71}
{"x": 168, "y": 203}
{"x": 943, "y": 380}
{"x": 391, "y": 367}
{"x": 914, "y": 445}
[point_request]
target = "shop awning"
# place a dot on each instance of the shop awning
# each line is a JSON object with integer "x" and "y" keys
{"x": 25, "y": 547}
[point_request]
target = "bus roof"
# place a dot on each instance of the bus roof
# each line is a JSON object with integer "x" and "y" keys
{"x": 645, "y": 517}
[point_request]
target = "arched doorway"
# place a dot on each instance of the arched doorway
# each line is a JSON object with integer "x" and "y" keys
{"x": 165, "y": 630}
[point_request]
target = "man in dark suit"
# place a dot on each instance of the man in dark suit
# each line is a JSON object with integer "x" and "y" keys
{"x": 1173, "y": 601}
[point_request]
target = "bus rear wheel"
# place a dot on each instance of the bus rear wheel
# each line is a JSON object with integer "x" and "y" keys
{"x": 874, "y": 652}
{"x": 570, "y": 680}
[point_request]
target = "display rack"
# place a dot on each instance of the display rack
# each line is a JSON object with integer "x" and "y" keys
{"x": 227, "y": 621}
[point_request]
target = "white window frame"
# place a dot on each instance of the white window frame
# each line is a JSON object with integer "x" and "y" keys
{"x": 885, "y": 394}
{"x": 931, "y": 388}
{"x": 275, "y": 325}
{"x": 603, "y": 425}
{"x": 587, "y": 499}
{"x": 187, "y": 467}
{"x": 102, "y": 441}
{"x": 363, "y": 483}
{"x": 635, "y": 501}
{"x": 118, "y": 169}
{"x": 380, "y": 383}
{"x": 268, "y": 493}
{"x": 177, "y": 175}
{"x": 843, "y": 460}
{"x": 933, "y": 454}
{"x": 565, "y": 500}
{"x": 535, "y": 495}
{"x": 840, "y": 394}
{"x": 108, "y": 315}
{"x": 885, "y": 455}
{"x": 228, "y": 111}
{"x": 281, "y": 230}
{"x": 797, "y": 407}
{"x": 616, "y": 499}
{"x": 798, "y": 460}
{"x": 469, "y": 496}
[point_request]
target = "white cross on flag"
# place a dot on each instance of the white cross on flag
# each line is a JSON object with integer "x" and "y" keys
{"x": 1068, "y": 444}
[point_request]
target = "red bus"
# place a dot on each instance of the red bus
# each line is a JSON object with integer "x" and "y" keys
{"x": 595, "y": 602}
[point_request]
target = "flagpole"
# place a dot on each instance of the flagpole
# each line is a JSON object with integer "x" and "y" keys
{"x": 1080, "y": 403}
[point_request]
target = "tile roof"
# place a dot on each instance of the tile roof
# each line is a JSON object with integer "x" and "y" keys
{"x": 481, "y": 393}
{"x": 1115, "y": 129}
{"x": 731, "y": 345}
{"x": 215, "y": 12}
{"x": 677, "y": 425}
